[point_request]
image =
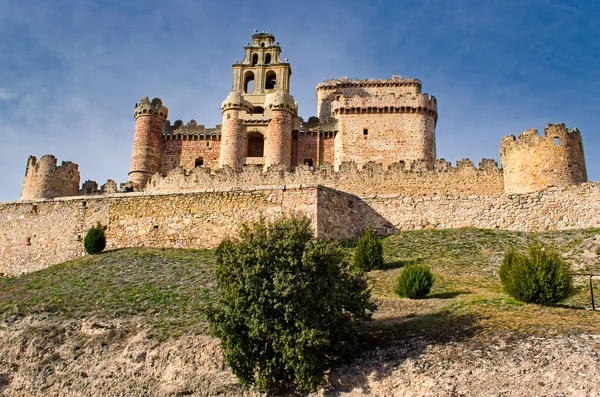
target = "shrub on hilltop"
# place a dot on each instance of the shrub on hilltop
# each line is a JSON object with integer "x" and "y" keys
{"x": 538, "y": 275}
{"x": 95, "y": 240}
{"x": 287, "y": 305}
{"x": 415, "y": 281}
{"x": 368, "y": 254}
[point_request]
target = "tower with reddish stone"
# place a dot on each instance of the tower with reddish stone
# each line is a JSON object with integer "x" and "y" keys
{"x": 259, "y": 114}
{"x": 150, "y": 117}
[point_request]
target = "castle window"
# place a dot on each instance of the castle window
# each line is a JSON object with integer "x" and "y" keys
{"x": 256, "y": 145}
{"x": 365, "y": 132}
{"x": 199, "y": 162}
{"x": 267, "y": 59}
{"x": 271, "y": 80}
{"x": 556, "y": 141}
{"x": 254, "y": 59}
{"x": 28, "y": 241}
{"x": 308, "y": 162}
{"x": 249, "y": 83}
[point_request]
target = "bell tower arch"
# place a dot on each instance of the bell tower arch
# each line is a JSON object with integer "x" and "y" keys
{"x": 259, "y": 114}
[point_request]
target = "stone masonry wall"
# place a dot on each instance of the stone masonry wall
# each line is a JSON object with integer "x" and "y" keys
{"x": 36, "y": 234}
{"x": 385, "y": 138}
{"x": 571, "y": 207}
{"x": 534, "y": 162}
{"x": 417, "y": 179}
{"x": 46, "y": 179}
{"x": 184, "y": 153}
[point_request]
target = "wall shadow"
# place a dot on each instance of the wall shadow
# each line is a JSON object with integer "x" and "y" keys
{"x": 391, "y": 341}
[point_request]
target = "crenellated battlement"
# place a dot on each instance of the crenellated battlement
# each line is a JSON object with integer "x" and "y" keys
{"x": 533, "y": 162}
{"x": 395, "y": 81}
{"x": 153, "y": 108}
{"x": 418, "y": 178}
{"x": 47, "y": 179}
{"x": 554, "y": 134}
{"x": 384, "y": 104}
{"x": 192, "y": 131}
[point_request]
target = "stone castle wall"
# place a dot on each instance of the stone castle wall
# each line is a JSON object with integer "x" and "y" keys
{"x": 368, "y": 137}
{"x": 417, "y": 179}
{"x": 36, "y": 234}
{"x": 534, "y": 162}
{"x": 46, "y": 179}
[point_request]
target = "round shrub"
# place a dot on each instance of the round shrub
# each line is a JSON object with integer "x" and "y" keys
{"x": 415, "y": 281}
{"x": 368, "y": 254}
{"x": 95, "y": 240}
{"x": 287, "y": 306}
{"x": 538, "y": 275}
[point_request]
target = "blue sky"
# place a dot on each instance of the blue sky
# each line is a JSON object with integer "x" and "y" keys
{"x": 72, "y": 71}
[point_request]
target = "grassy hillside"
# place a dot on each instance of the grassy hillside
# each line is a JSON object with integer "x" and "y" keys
{"x": 166, "y": 289}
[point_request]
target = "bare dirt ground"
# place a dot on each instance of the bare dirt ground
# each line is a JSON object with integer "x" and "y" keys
{"x": 89, "y": 358}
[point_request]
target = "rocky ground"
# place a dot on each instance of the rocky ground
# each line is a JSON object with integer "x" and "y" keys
{"x": 90, "y": 358}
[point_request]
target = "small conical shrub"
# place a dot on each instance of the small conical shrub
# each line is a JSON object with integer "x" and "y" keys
{"x": 368, "y": 254}
{"x": 95, "y": 240}
{"x": 415, "y": 281}
{"x": 539, "y": 275}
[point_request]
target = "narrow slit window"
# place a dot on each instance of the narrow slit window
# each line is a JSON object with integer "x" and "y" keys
{"x": 365, "y": 131}
{"x": 556, "y": 141}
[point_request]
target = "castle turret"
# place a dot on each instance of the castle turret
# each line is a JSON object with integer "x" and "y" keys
{"x": 147, "y": 142}
{"x": 44, "y": 179}
{"x": 278, "y": 147}
{"x": 532, "y": 162}
{"x": 232, "y": 131}
{"x": 259, "y": 114}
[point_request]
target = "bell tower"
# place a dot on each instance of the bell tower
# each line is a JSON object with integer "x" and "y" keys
{"x": 259, "y": 114}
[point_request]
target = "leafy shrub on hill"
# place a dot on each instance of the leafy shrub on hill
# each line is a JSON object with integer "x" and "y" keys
{"x": 287, "y": 305}
{"x": 95, "y": 240}
{"x": 539, "y": 275}
{"x": 368, "y": 254}
{"x": 415, "y": 281}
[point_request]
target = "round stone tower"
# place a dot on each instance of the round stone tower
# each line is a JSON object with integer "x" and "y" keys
{"x": 147, "y": 142}
{"x": 532, "y": 162}
{"x": 278, "y": 144}
{"x": 44, "y": 179}
{"x": 234, "y": 108}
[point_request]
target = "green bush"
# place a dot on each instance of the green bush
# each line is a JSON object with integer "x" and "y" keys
{"x": 287, "y": 306}
{"x": 368, "y": 254}
{"x": 95, "y": 240}
{"x": 415, "y": 281}
{"x": 538, "y": 275}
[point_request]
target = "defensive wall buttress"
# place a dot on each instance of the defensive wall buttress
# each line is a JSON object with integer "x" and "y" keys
{"x": 367, "y": 159}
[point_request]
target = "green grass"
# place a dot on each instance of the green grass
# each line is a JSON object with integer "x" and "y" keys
{"x": 166, "y": 290}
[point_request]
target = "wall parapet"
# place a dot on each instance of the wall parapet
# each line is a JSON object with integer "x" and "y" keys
{"x": 418, "y": 178}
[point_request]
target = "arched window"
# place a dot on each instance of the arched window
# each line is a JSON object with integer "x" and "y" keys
{"x": 254, "y": 59}
{"x": 267, "y": 59}
{"x": 249, "y": 82}
{"x": 271, "y": 80}
{"x": 199, "y": 162}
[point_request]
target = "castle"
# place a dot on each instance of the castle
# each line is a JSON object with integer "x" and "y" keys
{"x": 388, "y": 122}
{"x": 367, "y": 159}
